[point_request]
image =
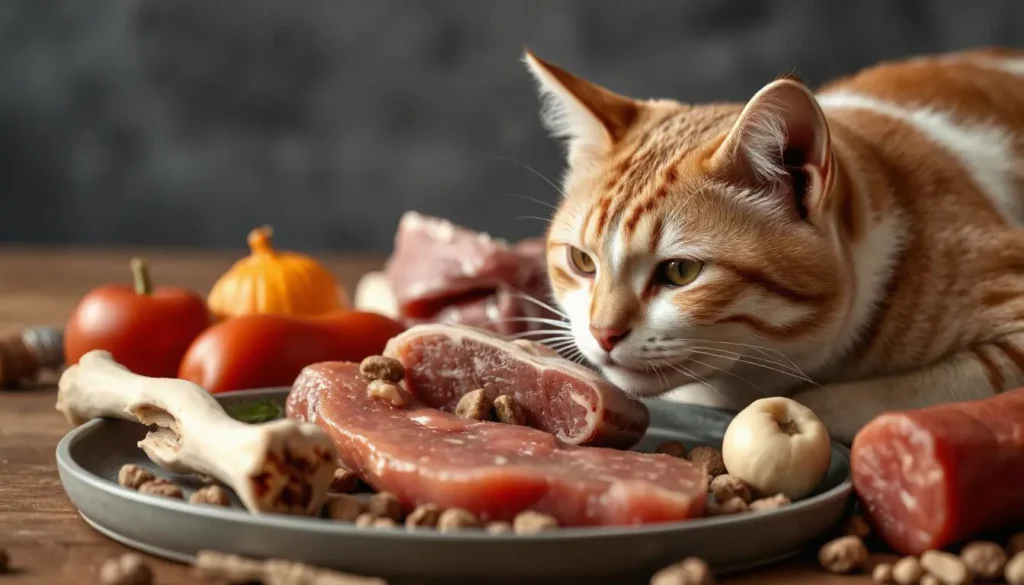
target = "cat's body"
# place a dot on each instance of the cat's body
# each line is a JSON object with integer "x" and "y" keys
{"x": 858, "y": 249}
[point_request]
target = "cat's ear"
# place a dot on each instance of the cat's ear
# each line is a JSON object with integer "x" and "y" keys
{"x": 587, "y": 115}
{"x": 781, "y": 142}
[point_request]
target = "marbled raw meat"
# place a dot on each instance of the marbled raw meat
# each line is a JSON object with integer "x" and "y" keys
{"x": 445, "y": 362}
{"x": 495, "y": 470}
{"x": 443, "y": 273}
{"x": 932, "y": 477}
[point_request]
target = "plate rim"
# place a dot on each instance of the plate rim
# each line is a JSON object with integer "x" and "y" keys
{"x": 311, "y": 524}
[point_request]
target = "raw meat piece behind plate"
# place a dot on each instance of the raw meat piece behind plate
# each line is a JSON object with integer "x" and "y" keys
{"x": 423, "y": 455}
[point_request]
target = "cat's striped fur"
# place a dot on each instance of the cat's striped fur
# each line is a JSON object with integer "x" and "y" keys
{"x": 879, "y": 266}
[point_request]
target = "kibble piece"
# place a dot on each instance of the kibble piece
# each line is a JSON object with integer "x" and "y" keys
{"x": 856, "y": 525}
{"x": 161, "y": 487}
{"x": 843, "y": 555}
{"x": 344, "y": 508}
{"x": 499, "y": 527}
{"x": 984, "y": 559}
{"x": 454, "y": 519}
{"x": 927, "y": 579}
{"x": 365, "y": 520}
{"x": 388, "y": 392}
{"x": 673, "y": 448}
{"x": 949, "y": 568}
{"x": 213, "y": 495}
{"x": 730, "y": 506}
{"x": 378, "y": 367}
{"x": 691, "y": 571}
{"x": 882, "y": 573}
{"x": 344, "y": 481}
{"x": 133, "y": 476}
{"x": 726, "y": 487}
{"x": 128, "y": 569}
{"x": 1014, "y": 572}
{"x": 710, "y": 458}
{"x": 385, "y": 504}
{"x": 424, "y": 516}
{"x": 383, "y": 522}
{"x": 508, "y": 411}
{"x": 530, "y": 522}
{"x": 907, "y": 571}
{"x": 1015, "y": 544}
{"x": 475, "y": 405}
{"x": 769, "y": 503}
{"x": 5, "y": 561}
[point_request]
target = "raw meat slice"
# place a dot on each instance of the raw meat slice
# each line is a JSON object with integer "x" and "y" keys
{"x": 443, "y": 273}
{"x": 423, "y": 455}
{"x": 936, "y": 476}
{"x": 445, "y": 362}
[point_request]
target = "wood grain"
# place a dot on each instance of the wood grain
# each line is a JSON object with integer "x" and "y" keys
{"x": 48, "y": 543}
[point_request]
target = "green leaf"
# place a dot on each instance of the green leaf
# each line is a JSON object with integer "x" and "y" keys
{"x": 256, "y": 411}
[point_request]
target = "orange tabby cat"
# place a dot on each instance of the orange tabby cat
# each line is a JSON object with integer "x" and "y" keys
{"x": 857, "y": 248}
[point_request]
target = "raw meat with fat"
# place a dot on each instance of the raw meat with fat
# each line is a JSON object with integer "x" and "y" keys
{"x": 443, "y": 273}
{"x": 494, "y": 470}
{"x": 445, "y": 362}
{"x": 932, "y": 477}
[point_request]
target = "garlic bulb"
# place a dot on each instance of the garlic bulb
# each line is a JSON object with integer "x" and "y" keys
{"x": 777, "y": 445}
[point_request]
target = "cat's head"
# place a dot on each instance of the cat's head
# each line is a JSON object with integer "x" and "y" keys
{"x": 693, "y": 238}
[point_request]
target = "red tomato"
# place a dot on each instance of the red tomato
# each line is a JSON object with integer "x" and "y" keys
{"x": 264, "y": 350}
{"x": 146, "y": 329}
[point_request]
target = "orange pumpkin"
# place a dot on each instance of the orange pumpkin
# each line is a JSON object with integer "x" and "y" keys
{"x": 275, "y": 282}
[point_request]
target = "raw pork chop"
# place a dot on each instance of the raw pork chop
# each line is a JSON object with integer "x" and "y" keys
{"x": 495, "y": 470}
{"x": 445, "y": 362}
{"x": 932, "y": 477}
{"x": 443, "y": 273}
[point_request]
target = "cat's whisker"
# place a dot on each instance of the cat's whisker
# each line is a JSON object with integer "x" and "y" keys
{"x": 541, "y": 320}
{"x": 740, "y": 358}
{"x": 761, "y": 348}
{"x": 532, "y": 299}
{"x": 531, "y": 332}
{"x": 537, "y": 173}
{"x": 538, "y": 218}
{"x": 688, "y": 372}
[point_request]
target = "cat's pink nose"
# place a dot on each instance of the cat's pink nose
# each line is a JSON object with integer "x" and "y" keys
{"x": 608, "y": 337}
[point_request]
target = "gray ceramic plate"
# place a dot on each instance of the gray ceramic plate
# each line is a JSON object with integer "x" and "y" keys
{"x": 89, "y": 457}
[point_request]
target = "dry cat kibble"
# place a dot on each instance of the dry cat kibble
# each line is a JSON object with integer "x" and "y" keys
{"x": 927, "y": 579}
{"x": 508, "y": 411}
{"x": 424, "y": 516}
{"x": 344, "y": 508}
{"x": 133, "y": 476}
{"x": 365, "y": 520}
{"x": 843, "y": 555}
{"x": 499, "y": 527}
{"x": 730, "y": 506}
{"x": 128, "y": 569}
{"x": 949, "y": 568}
{"x": 344, "y": 481}
{"x": 984, "y": 559}
{"x": 454, "y": 519}
{"x": 710, "y": 458}
{"x": 882, "y": 573}
{"x": 388, "y": 392}
{"x": 691, "y": 571}
{"x": 726, "y": 487}
{"x": 383, "y": 522}
{"x": 212, "y": 495}
{"x": 161, "y": 487}
{"x": 385, "y": 504}
{"x": 378, "y": 367}
{"x": 673, "y": 448}
{"x": 530, "y": 522}
{"x": 475, "y": 405}
{"x": 769, "y": 503}
{"x": 907, "y": 571}
{"x": 1014, "y": 572}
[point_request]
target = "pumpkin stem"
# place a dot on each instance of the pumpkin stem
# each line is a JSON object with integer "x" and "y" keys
{"x": 140, "y": 276}
{"x": 259, "y": 240}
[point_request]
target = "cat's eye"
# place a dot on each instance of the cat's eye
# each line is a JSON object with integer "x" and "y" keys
{"x": 679, "y": 272}
{"x": 581, "y": 261}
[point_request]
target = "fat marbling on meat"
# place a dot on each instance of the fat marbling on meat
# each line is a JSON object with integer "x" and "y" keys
{"x": 494, "y": 470}
{"x": 443, "y": 273}
{"x": 445, "y": 362}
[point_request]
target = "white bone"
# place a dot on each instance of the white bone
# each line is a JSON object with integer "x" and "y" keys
{"x": 281, "y": 466}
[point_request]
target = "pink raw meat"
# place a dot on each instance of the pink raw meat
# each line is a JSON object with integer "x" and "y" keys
{"x": 443, "y": 273}
{"x": 445, "y": 362}
{"x": 423, "y": 455}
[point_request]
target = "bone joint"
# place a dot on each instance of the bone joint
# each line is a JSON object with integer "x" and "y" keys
{"x": 282, "y": 466}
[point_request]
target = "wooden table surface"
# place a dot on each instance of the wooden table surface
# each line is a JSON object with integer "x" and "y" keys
{"x": 47, "y": 541}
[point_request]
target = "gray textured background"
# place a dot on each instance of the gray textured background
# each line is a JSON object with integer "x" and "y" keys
{"x": 186, "y": 122}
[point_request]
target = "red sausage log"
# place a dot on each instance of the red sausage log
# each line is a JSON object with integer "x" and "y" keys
{"x": 932, "y": 477}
